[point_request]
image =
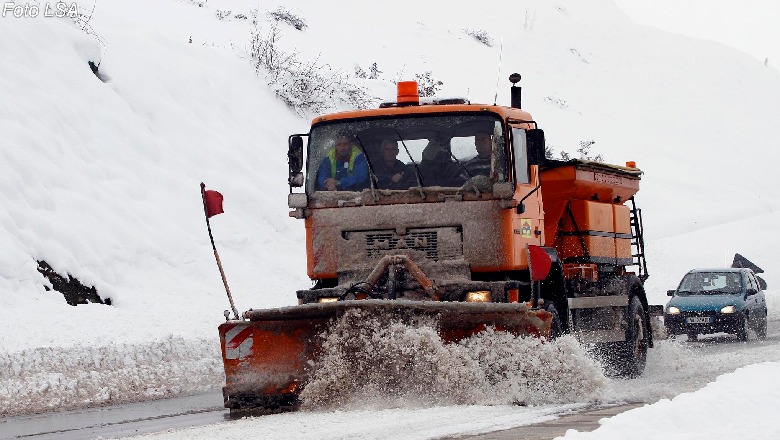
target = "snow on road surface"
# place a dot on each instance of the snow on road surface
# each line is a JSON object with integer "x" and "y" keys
{"x": 416, "y": 423}
{"x": 100, "y": 176}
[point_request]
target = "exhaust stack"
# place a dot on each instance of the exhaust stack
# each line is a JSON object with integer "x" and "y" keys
{"x": 516, "y": 92}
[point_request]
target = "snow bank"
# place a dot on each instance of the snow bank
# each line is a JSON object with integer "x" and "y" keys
{"x": 741, "y": 404}
{"x": 48, "y": 378}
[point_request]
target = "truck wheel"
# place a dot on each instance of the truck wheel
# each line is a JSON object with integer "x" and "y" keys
{"x": 633, "y": 352}
{"x": 555, "y": 327}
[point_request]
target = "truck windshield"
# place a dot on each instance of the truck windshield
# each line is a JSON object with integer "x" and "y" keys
{"x": 404, "y": 152}
{"x": 711, "y": 283}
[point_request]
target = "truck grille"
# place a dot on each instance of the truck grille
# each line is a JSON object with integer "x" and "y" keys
{"x": 378, "y": 243}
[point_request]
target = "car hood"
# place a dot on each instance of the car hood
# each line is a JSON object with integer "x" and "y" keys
{"x": 699, "y": 303}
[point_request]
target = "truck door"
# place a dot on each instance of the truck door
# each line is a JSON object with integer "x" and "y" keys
{"x": 528, "y": 217}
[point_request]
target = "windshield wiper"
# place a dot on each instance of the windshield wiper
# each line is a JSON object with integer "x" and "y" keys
{"x": 452, "y": 155}
{"x": 718, "y": 292}
{"x": 372, "y": 179}
{"x": 417, "y": 172}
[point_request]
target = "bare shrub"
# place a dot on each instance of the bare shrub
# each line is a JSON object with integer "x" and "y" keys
{"x": 558, "y": 102}
{"x": 583, "y": 151}
{"x": 82, "y": 21}
{"x": 284, "y": 15}
{"x": 585, "y": 154}
{"x": 359, "y": 72}
{"x": 427, "y": 84}
{"x": 374, "y": 71}
{"x": 306, "y": 86}
{"x": 223, "y": 14}
{"x": 480, "y": 35}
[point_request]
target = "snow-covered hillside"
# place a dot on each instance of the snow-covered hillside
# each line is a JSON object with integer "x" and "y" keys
{"x": 101, "y": 178}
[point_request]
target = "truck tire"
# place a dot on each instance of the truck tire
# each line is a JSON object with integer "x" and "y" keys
{"x": 632, "y": 355}
{"x": 555, "y": 327}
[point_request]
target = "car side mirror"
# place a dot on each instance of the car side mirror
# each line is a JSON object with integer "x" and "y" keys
{"x": 534, "y": 139}
{"x": 670, "y": 292}
{"x": 751, "y": 291}
{"x": 295, "y": 161}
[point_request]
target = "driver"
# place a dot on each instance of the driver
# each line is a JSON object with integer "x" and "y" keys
{"x": 344, "y": 168}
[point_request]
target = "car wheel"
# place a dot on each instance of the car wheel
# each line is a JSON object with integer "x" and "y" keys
{"x": 761, "y": 328}
{"x": 742, "y": 331}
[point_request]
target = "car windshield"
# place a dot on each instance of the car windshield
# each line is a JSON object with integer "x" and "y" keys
{"x": 403, "y": 152}
{"x": 711, "y": 283}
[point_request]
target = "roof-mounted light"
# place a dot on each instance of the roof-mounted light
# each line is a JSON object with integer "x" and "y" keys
{"x": 407, "y": 93}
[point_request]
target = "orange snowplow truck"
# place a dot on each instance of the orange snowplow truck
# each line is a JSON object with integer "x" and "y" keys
{"x": 448, "y": 209}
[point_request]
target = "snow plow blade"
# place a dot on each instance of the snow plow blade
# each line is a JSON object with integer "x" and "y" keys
{"x": 267, "y": 355}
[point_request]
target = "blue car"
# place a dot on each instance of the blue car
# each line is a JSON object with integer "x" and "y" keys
{"x": 717, "y": 301}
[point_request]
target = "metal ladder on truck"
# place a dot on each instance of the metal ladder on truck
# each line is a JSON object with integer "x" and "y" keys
{"x": 638, "y": 241}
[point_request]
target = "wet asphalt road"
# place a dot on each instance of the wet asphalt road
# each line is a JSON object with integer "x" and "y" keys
{"x": 118, "y": 420}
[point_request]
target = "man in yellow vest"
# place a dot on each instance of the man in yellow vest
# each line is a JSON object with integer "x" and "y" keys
{"x": 344, "y": 168}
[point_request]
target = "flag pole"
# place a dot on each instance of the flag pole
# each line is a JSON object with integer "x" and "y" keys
{"x": 216, "y": 255}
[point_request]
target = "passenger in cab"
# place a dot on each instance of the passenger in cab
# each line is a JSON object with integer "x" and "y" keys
{"x": 344, "y": 168}
{"x": 389, "y": 170}
{"x": 438, "y": 168}
{"x": 479, "y": 165}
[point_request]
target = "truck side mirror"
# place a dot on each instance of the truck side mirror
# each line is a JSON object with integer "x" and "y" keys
{"x": 535, "y": 142}
{"x": 751, "y": 291}
{"x": 670, "y": 292}
{"x": 295, "y": 161}
{"x": 761, "y": 283}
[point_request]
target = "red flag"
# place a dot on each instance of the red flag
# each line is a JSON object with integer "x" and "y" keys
{"x": 213, "y": 203}
{"x": 539, "y": 261}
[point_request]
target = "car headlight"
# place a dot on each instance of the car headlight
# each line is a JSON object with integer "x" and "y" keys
{"x": 481, "y": 296}
{"x": 728, "y": 309}
{"x": 327, "y": 300}
{"x": 673, "y": 310}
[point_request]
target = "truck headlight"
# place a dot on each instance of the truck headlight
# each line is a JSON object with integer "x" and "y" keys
{"x": 481, "y": 296}
{"x": 728, "y": 309}
{"x": 673, "y": 310}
